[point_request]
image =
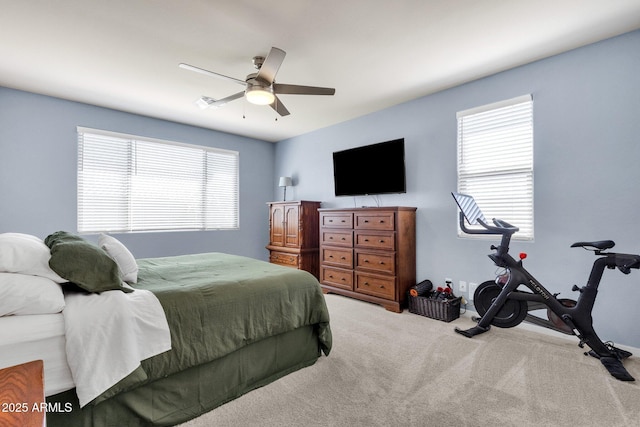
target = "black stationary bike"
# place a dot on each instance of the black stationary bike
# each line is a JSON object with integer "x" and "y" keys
{"x": 501, "y": 303}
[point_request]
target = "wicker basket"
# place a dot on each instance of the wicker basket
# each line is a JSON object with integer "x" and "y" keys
{"x": 445, "y": 310}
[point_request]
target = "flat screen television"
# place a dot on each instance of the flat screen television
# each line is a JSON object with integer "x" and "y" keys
{"x": 371, "y": 169}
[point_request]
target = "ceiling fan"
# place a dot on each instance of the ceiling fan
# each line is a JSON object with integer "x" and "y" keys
{"x": 261, "y": 87}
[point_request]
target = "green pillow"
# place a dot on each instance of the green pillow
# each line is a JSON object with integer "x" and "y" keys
{"x": 83, "y": 263}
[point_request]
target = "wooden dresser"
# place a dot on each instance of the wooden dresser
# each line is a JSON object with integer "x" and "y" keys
{"x": 293, "y": 234}
{"x": 369, "y": 253}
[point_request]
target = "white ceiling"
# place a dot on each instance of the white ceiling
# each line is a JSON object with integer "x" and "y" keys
{"x": 124, "y": 54}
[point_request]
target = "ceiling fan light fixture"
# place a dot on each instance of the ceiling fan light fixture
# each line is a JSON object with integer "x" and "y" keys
{"x": 260, "y": 95}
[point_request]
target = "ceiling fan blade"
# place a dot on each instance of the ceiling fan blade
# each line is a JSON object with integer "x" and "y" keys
{"x": 205, "y": 102}
{"x": 271, "y": 65}
{"x": 221, "y": 102}
{"x": 210, "y": 73}
{"x": 285, "y": 89}
{"x": 279, "y": 107}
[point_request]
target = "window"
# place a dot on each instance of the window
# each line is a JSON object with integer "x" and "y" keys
{"x": 495, "y": 161}
{"x": 128, "y": 183}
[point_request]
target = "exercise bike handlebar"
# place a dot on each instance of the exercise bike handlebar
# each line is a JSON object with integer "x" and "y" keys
{"x": 470, "y": 211}
{"x": 625, "y": 262}
{"x": 499, "y": 227}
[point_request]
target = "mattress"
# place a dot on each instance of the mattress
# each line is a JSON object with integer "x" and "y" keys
{"x": 37, "y": 337}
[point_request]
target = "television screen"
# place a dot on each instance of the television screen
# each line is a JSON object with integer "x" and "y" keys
{"x": 372, "y": 169}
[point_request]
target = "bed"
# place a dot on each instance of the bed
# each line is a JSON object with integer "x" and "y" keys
{"x": 234, "y": 324}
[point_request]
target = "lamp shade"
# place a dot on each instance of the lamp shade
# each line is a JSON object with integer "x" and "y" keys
{"x": 285, "y": 181}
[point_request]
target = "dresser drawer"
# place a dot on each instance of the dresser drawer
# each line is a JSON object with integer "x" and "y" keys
{"x": 336, "y": 219}
{"x": 375, "y": 220}
{"x": 336, "y": 277}
{"x": 336, "y": 237}
{"x": 380, "y": 262}
{"x": 377, "y": 286}
{"x": 337, "y": 257}
{"x": 283, "y": 258}
{"x": 375, "y": 240}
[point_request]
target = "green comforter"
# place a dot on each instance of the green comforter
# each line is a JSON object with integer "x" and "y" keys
{"x": 217, "y": 303}
{"x": 236, "y": 324}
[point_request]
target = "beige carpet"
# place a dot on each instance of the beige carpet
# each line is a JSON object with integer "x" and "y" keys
{"x": 389, "y": 369}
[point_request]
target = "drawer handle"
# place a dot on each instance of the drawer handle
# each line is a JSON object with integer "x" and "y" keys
{"x": 330, "y": 256}
{"x": 331, "y": 276}
{"x": 380, "y": 241}
{"x": 381, "y": 262}
{"x": 366, "y": 220}
{"x": 366, "y": 240}
{"x": 343, "y": 257}
{"x": 343, "y": 279}
{"x": 368, "y": 284}
{"x": 344, "y": 238}
{"x": 330, "y": 237}
{"x": 343, "y": 220}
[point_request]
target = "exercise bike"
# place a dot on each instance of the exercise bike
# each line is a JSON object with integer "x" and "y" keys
{"x": 502, "y": 302}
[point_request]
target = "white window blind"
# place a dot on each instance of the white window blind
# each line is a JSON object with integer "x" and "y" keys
{"x": 495, "y": 161}
{"x": 128, "y": 183}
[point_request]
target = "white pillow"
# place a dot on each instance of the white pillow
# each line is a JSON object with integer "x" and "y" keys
{"x": 26, "y": 254}
{"x": 25, "y": 294}
{"x": 122, "y": 256}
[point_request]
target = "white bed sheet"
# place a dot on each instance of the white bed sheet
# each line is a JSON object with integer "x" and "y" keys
{"x": 34, "y": 337}
{"x": 108, "y": 334}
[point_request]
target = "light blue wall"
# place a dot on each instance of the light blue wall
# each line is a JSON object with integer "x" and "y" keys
{"x": 38, "y": 152}
{"x": 587, "y": 177}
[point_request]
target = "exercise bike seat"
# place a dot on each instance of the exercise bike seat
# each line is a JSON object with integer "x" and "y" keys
{"x": 600, "y": 244}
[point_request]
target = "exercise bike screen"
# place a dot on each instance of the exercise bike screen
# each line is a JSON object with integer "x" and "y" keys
{"x": 469, "y": 208}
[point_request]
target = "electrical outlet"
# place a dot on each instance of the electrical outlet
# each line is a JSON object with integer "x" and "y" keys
{"x": 472, "y": 289}
{"x": 462, "y": 286}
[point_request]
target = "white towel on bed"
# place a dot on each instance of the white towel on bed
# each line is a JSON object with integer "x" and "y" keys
{"x": 108, "y": 334}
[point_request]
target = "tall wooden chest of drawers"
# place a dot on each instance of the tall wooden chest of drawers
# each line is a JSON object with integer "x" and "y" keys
{"x": 369, "y": 253}
{"x": 293, "y": 234}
